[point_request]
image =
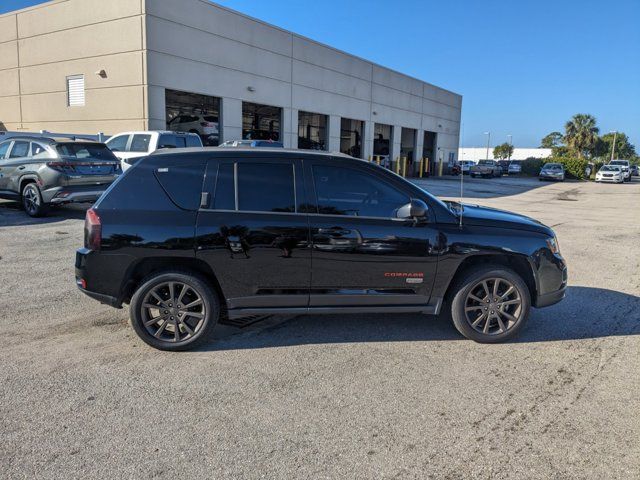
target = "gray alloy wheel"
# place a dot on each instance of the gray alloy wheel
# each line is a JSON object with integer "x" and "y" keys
{"x": 174, "y": 310}
{"x": 32, "y": 200}
{"x": 493, "y": 306}
{"x": 489, "y": 303}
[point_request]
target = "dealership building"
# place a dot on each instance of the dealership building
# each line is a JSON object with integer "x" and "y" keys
{"x": 89, "y": 66}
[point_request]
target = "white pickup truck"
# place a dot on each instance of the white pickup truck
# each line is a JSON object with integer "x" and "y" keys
{"x": 130, "y": 146}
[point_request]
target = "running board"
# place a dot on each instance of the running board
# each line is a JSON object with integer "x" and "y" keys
{"x": 432, "y": 309}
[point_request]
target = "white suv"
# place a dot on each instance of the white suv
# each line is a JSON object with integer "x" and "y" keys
{"x": 207, "y": 126}
{"x": 625, "y": 166}
{"x": 130, "y": 146}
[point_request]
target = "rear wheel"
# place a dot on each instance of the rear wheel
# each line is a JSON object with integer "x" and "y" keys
{"x": 490, "y": 304}
{"x": 32, "y": 201}
{"x": 174, "y": 311}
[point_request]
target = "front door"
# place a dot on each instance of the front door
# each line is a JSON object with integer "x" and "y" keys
{"x": 253, "y": 235}
{"x": 363, "y": 255}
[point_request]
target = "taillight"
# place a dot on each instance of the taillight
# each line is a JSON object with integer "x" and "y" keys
{"x": 92, "y": 230}
{"x": 65, "y": 167}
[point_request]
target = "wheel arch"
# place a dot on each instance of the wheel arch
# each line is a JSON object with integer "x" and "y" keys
{"x": 25, "y": 179}
{"x": 518, "y": 263}
{"x": 145, "y": 267}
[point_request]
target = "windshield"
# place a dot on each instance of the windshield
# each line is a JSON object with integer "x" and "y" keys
{"x": 486, "y": 162}
{"x": 618, "y": 162}
{"x": 610, "y": 168}
{"x": 85, "y": 150}
{"x": 552, "y": 166}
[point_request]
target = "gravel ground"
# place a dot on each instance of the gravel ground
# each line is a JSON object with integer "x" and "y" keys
{"x": 330, "y": 397}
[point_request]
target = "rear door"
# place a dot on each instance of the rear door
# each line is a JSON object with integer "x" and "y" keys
{"x": 254, "y": 234}
{"x": 363, "y": 255}
{"x": 13, "y": 166}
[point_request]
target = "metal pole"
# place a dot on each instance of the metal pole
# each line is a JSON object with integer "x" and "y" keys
{"x": 613, "y": 147}
{"x": 488, "y": 134}
{"x": 510, "y": 137}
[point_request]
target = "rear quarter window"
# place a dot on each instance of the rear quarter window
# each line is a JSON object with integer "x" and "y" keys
{"x": 182, "y": 182}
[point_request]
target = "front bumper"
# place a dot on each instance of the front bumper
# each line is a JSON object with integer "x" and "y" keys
{"x": 74, "y": 194}
{"x": 609, "y": 179}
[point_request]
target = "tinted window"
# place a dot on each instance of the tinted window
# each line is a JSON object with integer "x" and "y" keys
{"x": 118, "y": 144}
{"x": 346, "y": 191}
{"x": 183, "y": 184}
{"x": 4, "y": 148}
{"x": 193, "y": 141}
{"x": 225, "y": 196}
{"x": 19, "y": 150}
{"x": 85, "y": 150}
{"x": 140, "y": 143}
{"x": 171, "y": 141}
{"x": 266, "y": 187}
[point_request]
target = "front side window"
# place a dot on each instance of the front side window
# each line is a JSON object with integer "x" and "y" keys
{"x": 4, "y": 148}
{"x": 19, "y": 150}
{"x": 140, "y": 143}
{"x": 346, "y": 191}
{"x": 118, "y": 144}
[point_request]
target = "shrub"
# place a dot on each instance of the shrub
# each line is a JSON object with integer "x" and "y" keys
{"x": 532, "y": 166}
{"x": 573, "y": 167}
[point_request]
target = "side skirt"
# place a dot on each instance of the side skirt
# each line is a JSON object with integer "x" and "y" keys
{"x": 433, "y": 308}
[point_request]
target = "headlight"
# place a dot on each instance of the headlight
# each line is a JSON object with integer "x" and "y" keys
{"x": 554, "y": 246}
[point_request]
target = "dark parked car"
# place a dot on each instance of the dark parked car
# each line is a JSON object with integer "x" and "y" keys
{"x": 41, "y": 172}
{"x": 191, "y": 238}
{"x": 635, "y": 171}
{"x": 504, "y": 166}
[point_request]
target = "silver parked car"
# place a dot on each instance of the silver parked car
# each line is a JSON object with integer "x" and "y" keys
{"x": 552, "y": 171}
{"x": 41, "y": 172}
{"x": 515, "y": 168}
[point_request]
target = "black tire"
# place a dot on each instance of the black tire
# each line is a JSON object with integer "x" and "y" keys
{"x": 468, "y": 283}
{"x": 32, "y": 202}
{"x": 198, "y": 288}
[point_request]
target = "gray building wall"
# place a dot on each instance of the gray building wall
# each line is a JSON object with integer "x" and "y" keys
{"x": 147, "y": 46}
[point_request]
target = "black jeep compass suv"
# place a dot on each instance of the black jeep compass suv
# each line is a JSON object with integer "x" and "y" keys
{"x": 192, "y": 237}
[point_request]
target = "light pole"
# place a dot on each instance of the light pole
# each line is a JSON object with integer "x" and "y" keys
{"x": 613, "y": 147}
{"x": 488, "y": 134}
{"x": 510, "y": 137}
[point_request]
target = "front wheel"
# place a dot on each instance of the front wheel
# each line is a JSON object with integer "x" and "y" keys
{"x": 490, "y": 304}
{"x": 174, "y": 311}
{"x": 32, "y": 201}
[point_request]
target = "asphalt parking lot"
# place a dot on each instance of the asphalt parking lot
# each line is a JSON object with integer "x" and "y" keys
{"x": 327, "y": 397}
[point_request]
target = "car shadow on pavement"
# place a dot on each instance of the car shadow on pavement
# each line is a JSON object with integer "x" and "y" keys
{"x": 12, "y": 215}
{"x": 585, "y": 313}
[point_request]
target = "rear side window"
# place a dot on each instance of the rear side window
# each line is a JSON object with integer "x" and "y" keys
{"x": 140, "y": 143}
{"x": 38, "y": 151}
{"x": 193, "y": 141}
{"x": 96, "y": 151}
{"x": 183, "y": 183}
{"x": 266, "y": 187}
{"x": 171, "y": 141}
{"x": 19, "y": 150}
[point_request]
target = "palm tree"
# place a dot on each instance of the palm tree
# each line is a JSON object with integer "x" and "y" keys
{"x": 581, "y": 134}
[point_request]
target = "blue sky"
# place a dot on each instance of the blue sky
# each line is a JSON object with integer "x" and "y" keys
{"x": 524, "y": 67}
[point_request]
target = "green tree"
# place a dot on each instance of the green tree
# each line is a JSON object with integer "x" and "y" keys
{"x": 503, "y": 151}
{"x": 624, "y": 149}
{"x": 554, "y": 139}
{"x": 581, "y": 134}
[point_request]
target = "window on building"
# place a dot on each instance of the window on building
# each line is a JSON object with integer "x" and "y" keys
{"x": 351, "y": 134}
{"x": 261, "y": 122}
{"x": 407, "y": 147}
{"x": 452, "y": 158}
{"x": 312, "y": 131}
{"x": 345, "y": 191}
{"x": 75, "y": 91}
{"x": 266, "y": 187}
{"x": 195, "y": 113}
{"x": 382, "y": 139}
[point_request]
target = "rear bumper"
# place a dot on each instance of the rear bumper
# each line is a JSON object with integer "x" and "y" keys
{"x": 105, "y": 299}
{"x": 95, "y": 277}
{"x": 74, "y": 194}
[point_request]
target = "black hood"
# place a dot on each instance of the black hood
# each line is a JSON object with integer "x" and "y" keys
{"x": 492, "y": 217}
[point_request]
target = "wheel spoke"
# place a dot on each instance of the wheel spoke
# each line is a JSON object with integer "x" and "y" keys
{"x": 509, "y": 316}
{"x": 470, "y": 309}
{"x": 479, "y": 319}
{"x": 182, "y": 292}
{"x": 171, "y": 292}
{"x": 486, "y": 324}
{"x": 496, "y": 282}
{"x": 500, "y": 323}
{"x": 195, "y": 303}
{"x": 192, "y": 314}
{"x": 176, "y": 332}
{"x": 515, "y": 301}
{"x": 161, "y": 329}
{"x": 157, "y": 297}
{"x": 486, "y": 288}
{"x": 153, "y": 320}
{"x": 473, "y": 297}
{"x": 508, "y": 292}
{"x": 186, "y": 327}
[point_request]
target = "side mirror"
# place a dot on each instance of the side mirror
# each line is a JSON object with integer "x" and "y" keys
{"x": 414, "y": 209}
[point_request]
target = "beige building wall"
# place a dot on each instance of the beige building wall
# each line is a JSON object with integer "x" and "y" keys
{"x": 43, "y": 45}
